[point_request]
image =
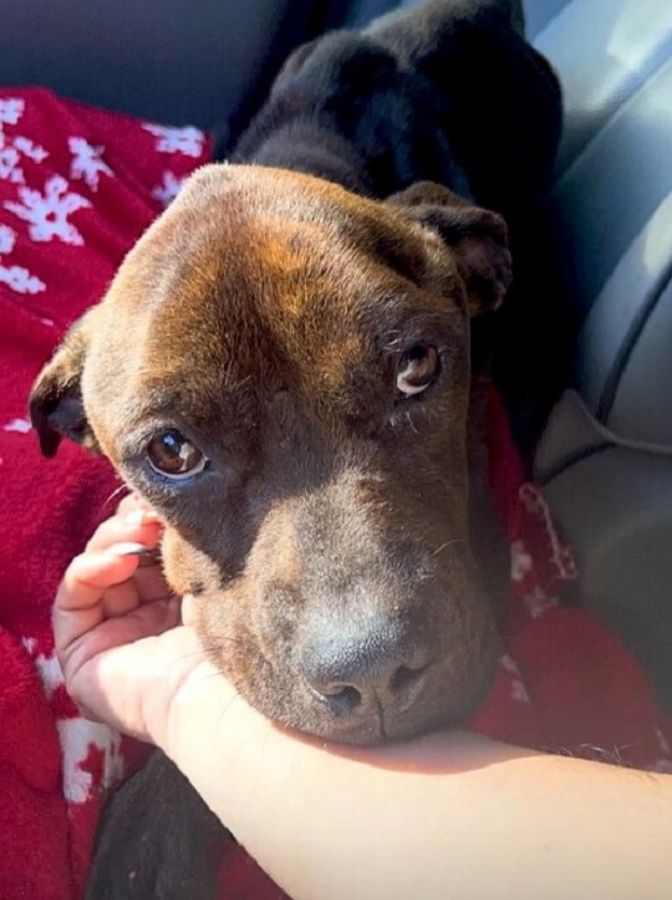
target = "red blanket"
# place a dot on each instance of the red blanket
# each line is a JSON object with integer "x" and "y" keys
{"x": 77, "y": 187}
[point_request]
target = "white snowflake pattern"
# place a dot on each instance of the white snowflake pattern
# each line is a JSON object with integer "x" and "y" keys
{"x": 47, "y": 213}
{"x": 11, "y": 151}
{"x": 11, "y": 110}
{"x": 521, "y": 561}
{"x": 87, "y": 164}
{"x": 16, "y": 277}
{"x": 30, "y": 149}
{"x": 7, "y": 239}
{"x": 664, "y": 763}
{"x": 187, "y": 140}
{"x": 20, "y": 426}
{"x": 561, "y": 556}
{"x": 169, "y": 188}
{"x": 48, "y": 667}
{"x": 20, "y": 280}
{"x": 10, "y": 168}
{"x": 518, "y": 689}
{"x": 663, "y": 743}
{"x": 538, "y": 602}
{"x": 76, "y": 737}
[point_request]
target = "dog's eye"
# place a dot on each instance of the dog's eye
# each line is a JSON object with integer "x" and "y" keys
{"x": 170, "y": 453}
{"x": 418, "y": 367}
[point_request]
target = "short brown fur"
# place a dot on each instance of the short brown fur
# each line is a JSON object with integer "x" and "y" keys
{"x": 268, "y": 312}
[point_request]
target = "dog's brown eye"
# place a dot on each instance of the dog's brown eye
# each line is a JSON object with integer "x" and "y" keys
{"x": 418, "y": 368}
{"x": 170, "y": 453}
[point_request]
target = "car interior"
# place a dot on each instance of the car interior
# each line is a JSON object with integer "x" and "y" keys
{"x": 602, "y": 450}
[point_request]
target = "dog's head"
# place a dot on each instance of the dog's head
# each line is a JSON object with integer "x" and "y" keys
{"x": 282, "y": 369}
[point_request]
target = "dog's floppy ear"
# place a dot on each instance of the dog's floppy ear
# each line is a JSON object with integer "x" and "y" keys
{"x": 477, "y": 237}
{"x": 56, "y": 408}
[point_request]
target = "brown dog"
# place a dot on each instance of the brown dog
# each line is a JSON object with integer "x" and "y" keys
{"x": 296, "y": 408}
{"x": 281, "y": 367}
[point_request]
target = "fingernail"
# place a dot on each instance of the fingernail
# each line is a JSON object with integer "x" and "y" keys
{"x": 142, "y": 517}
{"x": 128, "y": 548}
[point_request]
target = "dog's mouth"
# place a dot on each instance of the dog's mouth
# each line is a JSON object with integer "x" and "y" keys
{"x": 429, "y": 703}
{"x": 442, "y": 693}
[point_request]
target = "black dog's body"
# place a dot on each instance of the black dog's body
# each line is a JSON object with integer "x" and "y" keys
{"x": 450, "y": 92}
{"x": 156, "y": 839}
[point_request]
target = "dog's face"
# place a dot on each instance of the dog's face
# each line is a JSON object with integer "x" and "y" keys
{"x": 282, "y": 369}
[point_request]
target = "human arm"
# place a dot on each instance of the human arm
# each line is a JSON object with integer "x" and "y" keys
{"x": 449, "y": 815}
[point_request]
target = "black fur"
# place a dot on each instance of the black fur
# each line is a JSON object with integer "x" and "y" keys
{"x": 448, "y": 92}
{"x": 157, "y": 840}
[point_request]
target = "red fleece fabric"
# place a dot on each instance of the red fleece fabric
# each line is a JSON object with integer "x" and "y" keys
{"x": 77, "y": 188}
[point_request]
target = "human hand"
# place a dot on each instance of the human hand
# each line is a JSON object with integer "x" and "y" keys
{"x": 117, "y": 626}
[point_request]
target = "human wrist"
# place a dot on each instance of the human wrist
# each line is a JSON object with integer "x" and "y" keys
{"x": 205, "y": 719}
{"x": 177, "y": 686}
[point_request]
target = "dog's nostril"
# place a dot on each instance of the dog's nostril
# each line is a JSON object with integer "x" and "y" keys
{"x": 340, "y": 698}
{"x": 345, "y": 700}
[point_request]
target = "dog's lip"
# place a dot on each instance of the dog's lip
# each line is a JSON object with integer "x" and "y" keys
{"x": 374, "y": 731}
{"x": 372, "y": 726}
{"x": 364, "y": 731}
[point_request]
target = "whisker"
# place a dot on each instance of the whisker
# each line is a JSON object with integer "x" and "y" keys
{"x": 226, "y": 708}
{"x": 116, "y": 492}
{"x": 213, "y": 648}
{"x": 210, "y": 675}
{"x": 448, "y": 544}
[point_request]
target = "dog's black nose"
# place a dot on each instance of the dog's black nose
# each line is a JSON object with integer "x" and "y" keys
{"x": 356, "y": 673}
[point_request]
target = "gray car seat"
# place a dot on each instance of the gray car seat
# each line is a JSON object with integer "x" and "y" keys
{"x": 202, "y": 63}
{"x": 605, "y": 460}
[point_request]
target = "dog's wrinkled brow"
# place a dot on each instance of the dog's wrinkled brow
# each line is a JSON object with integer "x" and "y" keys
{"x": 169, "y": 404}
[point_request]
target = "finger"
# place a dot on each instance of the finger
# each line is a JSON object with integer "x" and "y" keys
{"x": 108, "y": 676}
{"x": 130, "y": 502}
{"x": 119, "y": 529}
{"x": 90, "y": 574}
{"x": 145, "y": 621}
{"x": 135, "y": 508}
{"x": 143, "y": 515}
{"x": 79, "y": 600}
{"x": 150, "y": 581}
{"x": 121, "y": 599}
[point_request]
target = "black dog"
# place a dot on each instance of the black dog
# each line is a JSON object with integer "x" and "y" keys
{"x": 448, "y": 92}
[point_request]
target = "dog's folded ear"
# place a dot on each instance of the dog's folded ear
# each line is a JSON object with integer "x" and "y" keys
{"x": 477, "y": 237}
{"x": 55, "y": 405}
